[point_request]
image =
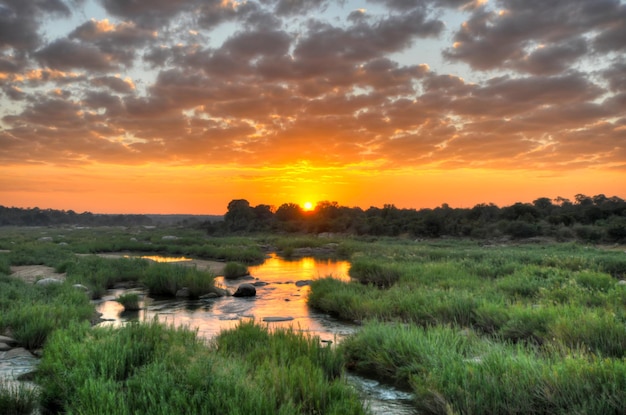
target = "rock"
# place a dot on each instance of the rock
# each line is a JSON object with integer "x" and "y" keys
{"x": 45, "y": 239}
{"x": 8, "y": 340}
{"x": 80, "y": 287}
{"x": 4, "y": 347}
{"x": 183, "y": 293}
{"x": 49, "y": 281}
{"x": 259, "y": 284}
{"x": 209, "y": 296}
{"x": 169, "y": 238}
{"x": 276, "y": 319}
{"x": 622, "y": 282}
{"x": 245, "y": 290}
{"x": 17, "y": 352}
{"x": 302, "y": 283}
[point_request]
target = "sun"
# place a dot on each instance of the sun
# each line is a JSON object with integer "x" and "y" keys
{"x": 308, "y": 206}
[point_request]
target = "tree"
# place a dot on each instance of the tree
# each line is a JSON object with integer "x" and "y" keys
{"x": 240, "y": 215}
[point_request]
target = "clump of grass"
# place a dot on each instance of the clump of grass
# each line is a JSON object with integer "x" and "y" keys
{"x": 167, "y": 279}
{"x": 130, "y": 301}
{"x": 17, "y": 398}
{"x": 370, "y": 272}
{"x": 233, "y": 270}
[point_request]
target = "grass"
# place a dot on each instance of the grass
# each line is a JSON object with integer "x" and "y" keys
{"x": 130, "y": 301}
{"x": 151, "y": 368}
{"x": 488, "y": 329}
{"x": 455, "y": 371}
{"x": 31, "y": 313}
{"x": 233, "y": 270}
{"x": 17, "y": 398}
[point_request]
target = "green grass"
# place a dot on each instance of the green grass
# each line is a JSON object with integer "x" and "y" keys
{"x": 151, "y": 368}
{"x": 130, "y": 301}
{"x": 31, "y": 313}
{"x": 233, "y": 270}
{"x": 17, "y": 398}
{"x": 488, "y": 329}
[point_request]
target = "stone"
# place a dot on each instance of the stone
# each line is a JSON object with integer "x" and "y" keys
{"x": 4, "y": 347}
{"x": 183, "y": 293}
{"x": 276, "y": 319}
{"x": 245, "y": 290}
{"x": 622, "y": 282}
{"x": 259, "y": 284}
{"x": 8, "y": 340}
{"x": 17, "y": 352}
{"x": 209, "y": 296}
{"x": 49, "y": 281}
{"x": 169, "y": 238}
{"x": 45, "y": 239}
{"x": 80, "y": 287}
{"x": 303, "y": 283}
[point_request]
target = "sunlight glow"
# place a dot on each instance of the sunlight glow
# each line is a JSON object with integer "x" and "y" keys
{"x": 307, "y": 206}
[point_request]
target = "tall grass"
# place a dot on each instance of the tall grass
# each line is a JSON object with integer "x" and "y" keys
{"x": 151, "y": 368}
{"x": 452, "y": 371}
{"x": 17, "y": 398}
{"x": 31, "y": 313}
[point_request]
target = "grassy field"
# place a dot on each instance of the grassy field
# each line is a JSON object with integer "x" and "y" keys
{"x": 471, "y": 327}
{"x": 484, "y": 329}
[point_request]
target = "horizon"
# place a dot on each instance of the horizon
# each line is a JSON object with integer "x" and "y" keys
{"x": 180, "y": 107}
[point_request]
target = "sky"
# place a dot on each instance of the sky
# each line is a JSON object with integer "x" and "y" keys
{"x": 180, "y": 106}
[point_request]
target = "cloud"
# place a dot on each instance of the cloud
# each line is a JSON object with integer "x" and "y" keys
{"x": 64, "y": 54}
{"x": 276, "y": 82}
{"x": 492, "y": 38}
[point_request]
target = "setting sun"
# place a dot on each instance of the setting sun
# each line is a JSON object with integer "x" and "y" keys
{"x": 307, "y": 206}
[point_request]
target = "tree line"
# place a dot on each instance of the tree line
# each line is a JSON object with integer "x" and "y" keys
{"x": 13, "y": 216}
{"x": 589, "y": 218}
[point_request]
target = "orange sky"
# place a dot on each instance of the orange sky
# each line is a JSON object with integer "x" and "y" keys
{"x": 180, "y": 107}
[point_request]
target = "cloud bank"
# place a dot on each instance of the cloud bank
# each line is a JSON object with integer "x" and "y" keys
{"x": 441, "y": 84}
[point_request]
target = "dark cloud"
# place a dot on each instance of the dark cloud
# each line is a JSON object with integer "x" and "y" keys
{"x": 114, "y": 83}
{"x": 64, "y": 54}
{"x": 149, "y": 13}
{"x": 492, "y": 38}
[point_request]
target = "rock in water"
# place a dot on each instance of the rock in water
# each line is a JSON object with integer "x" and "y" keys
{"x": 245, "y": 290}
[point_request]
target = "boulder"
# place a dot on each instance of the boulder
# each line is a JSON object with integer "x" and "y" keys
{"x": 245, "y": 290}
{"x": 49, "y": 281}
{"x": 622, "y": 282}
{"x": 4, "y": 347}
